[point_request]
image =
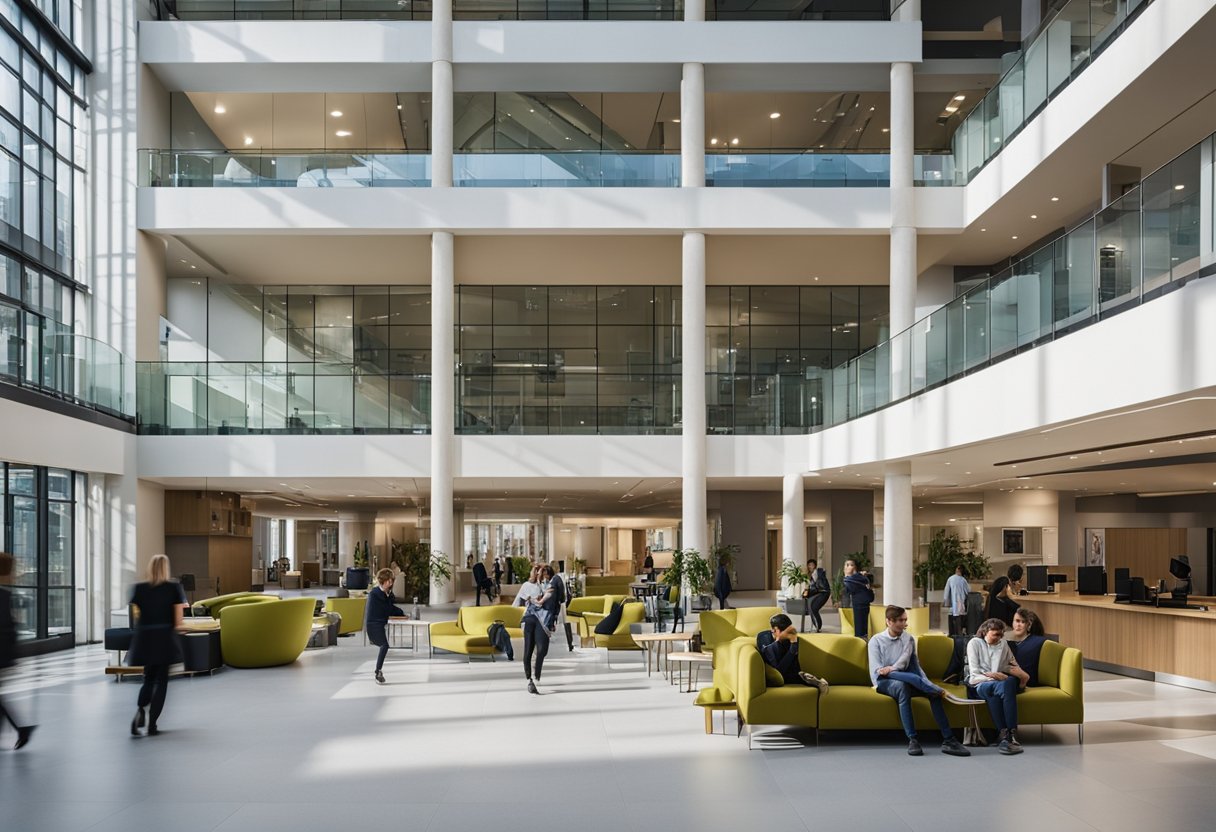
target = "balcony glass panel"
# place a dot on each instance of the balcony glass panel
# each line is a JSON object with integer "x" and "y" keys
{"x": 566, "y": 169}
{"x": 282, "y": 169}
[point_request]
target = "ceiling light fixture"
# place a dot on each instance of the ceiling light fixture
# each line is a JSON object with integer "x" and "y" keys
{"x": 960, "y": 98}
{"x": 248, "y": 141}
{"x": 734, "y": 141}
{"x": 336, "y": 113}
{"x": 398, "y": 106}
{"x": 774, "y": 115}
{"x": 713, "y": 141}
{"x": 1015, "y": 236}
{"x": 675, "y": 121}
{"x": 1179, "y": 187}
{"x": 342, "y": 134}
{"x": 1034, "y": 216}
{"x": 220, "y": 109}
{"x": 1055, "y": 199}
{"x": 886, "y": 129}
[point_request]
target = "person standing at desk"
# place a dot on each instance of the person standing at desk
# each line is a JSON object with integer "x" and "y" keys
{"x": 380, "y": 609}
{"x": 1000, "y": 597}
{"x": 154, "y": 646}
{"x": 954, "y": 600}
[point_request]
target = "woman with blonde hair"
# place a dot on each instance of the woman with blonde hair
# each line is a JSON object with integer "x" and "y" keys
{"x": 160, "y": 603}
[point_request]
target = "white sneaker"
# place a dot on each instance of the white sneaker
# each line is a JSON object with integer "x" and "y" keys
{"x": 958, "y": 700}
{"x": 814, "y": 681}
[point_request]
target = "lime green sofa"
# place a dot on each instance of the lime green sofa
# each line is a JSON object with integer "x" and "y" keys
{"x": 468, "y": 633}
{"x": 852, "y": 702}
{"x": 266, "y": 635}
{"x": 724, "y": 626}
{"x": 212, "y": 606}
{"x": 579, "y": 608}
{"x": 918, "y": 620}
{"x": 634, "y": 612}
{"x": 352, "y": 610}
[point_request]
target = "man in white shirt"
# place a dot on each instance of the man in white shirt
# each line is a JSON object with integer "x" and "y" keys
{"x": 896, "y": 672}
{"x": 994, "y": 673}
{"x": 954, "y": 600}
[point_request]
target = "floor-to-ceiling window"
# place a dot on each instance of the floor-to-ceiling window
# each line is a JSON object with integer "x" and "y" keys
{"x": 40, "y": 533}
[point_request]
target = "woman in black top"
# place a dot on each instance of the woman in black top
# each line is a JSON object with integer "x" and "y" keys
{"x": 538, "y": 622}
{"x": 817, "y": 593}
{"x": 154, "y": 645}
{"x": 8, "y": 645}
{"x": 380, "y": 609}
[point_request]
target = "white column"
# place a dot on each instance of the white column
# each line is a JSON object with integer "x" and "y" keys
{"x": 443, "y": 438}
{"x": 441, "y": 94}
{"x": 897, "y": 535}
{"x": 692, "y": 126}
{"x": 692, "y": 377}
{"x": 903, "y": 223}
{"x": 793, "y": 528}
{"x": 694, "y": 11}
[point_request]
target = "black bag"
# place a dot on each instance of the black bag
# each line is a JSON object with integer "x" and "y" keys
{"x": 500, "y": 639}
{"x": 611, "y": 621}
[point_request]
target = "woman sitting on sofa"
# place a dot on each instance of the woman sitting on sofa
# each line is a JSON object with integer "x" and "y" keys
{"x": 993, "y": 673}
{"x": 1026, "y": 641}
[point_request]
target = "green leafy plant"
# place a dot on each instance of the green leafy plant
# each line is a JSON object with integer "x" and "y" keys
{"x": 723, "y": 554}
{"x": 688, "y": 564}
{"x": 360, "y": 556}
{"x": 520, "y": 568}
{"x": 862, "y": 559}
{"x": 945, "y": 554}
{"x": 420, "y": 566}
{"x": 794, "y": 576}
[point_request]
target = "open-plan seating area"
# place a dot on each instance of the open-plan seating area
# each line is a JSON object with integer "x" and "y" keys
{"x": 688, "y": 414}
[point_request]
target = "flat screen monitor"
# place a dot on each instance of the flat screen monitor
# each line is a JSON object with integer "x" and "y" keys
{"x": 1036, "y": 578}
{"x": 1179, "y": 568}
{"x": 1091, "y": 580}
{"x": 1123, "y": 578}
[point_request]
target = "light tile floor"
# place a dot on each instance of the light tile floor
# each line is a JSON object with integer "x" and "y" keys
{"x": 449, "y": 745}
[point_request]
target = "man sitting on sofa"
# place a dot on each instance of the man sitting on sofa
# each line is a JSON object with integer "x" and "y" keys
{"x": 896, "y": 672}
{"x": 779, "y": 647}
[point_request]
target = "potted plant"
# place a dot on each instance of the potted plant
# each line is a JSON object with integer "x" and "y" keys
{"x": 575, "y": 583}
{"x": 420, "y": 566}
{"x": 689, "y": 569}
{"x": 945, "y": 554}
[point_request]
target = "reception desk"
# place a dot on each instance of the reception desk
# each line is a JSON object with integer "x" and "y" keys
{"x": 1160, "y": 640}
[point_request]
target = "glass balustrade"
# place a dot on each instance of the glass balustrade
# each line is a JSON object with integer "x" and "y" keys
{"x": 47, "y": 356}
{"x": 819, "y": 169}
{"x": 516, "y": 10}
{"x": 283, "y": 169}
{"x": 289, "y": 398}
{"x": 1063, "y": 46}
{"x": 566, "y": 169}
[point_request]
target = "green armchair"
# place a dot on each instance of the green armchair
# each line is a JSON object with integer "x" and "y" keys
{"x": 634, "y": 612}
{"x": 579, "y": 608}
{"x": 266, "y": 635}
{"x": 352, "y": 610}
{"x": 724, "y": 626}
{"x": 212, "y": 606}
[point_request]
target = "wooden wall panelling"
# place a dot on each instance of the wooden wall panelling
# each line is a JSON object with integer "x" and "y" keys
{"x": 231, "y": 560}
{"x": 1146, "y": 552}
{"x": 186, "y": 513}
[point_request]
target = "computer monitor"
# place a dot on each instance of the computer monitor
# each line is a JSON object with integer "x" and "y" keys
{"x": 1036, "y": 578}
{"x": 1180, "y": 568}
{"x": 1123, "y": 580}
{"x": 1091, "y": 580}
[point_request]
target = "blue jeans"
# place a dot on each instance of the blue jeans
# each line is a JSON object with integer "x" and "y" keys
{"x": 1002, "y": 701}
{"x": 901, "y": 687}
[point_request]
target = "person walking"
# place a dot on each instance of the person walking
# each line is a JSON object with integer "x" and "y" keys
{"x": 722, "y": 587}
{"x": 954, "y": 600}
{"x": 380, "y": 608}
{"x": 497, "y": 575}
{"x": 538, "y": 624}
{"x": 8, "y": 647}
{"x": 818, "y": 593}
{"x": 858, "y": 596}
{"x": 160, "y": 603}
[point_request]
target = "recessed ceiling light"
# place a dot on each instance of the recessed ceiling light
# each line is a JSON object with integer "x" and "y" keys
{"x": 1055, "y": 199}
{"x": 336, "y": 113}
{"x": 398, "y": 106}
{"x": 983, "y": 229}
{"x": 886, "y": 129}
{"x": 960, "y": 98}
{"x": 713, "y": 141}
{"x": 350, "y": 495}
{"x": 675, "y": 121}
{"x": 734, "y": 141}
{"x": 248, "y": 140}
{"x": 1034, "y": 216}
{"x": 1015, "y": 236}
{"x": 342, "y": 133}
{"x": 1179, "y": 187}
{"x": 220, "y": 109}
{"x": 778, "y": 115}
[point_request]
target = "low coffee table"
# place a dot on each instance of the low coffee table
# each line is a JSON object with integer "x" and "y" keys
{"x": 694, "y": 662}
{"x": 396, "y": 625}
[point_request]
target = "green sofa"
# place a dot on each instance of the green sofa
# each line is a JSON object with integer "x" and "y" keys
{"x": 634, "y": 612}
{"x": 579, "y": 608}
{"x": 266, "y": 635}
{"x": 724, "y": 626}
{"x": 852, "y": 703}
{"x": 918, "y": 620}
{"x": 352, "y": 610}
{"x": 212, "y": 606}
{"x": 468, "y": 633}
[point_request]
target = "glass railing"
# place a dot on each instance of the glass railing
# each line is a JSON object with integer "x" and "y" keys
{"x": 819, "y": 169}
{"x": 517, "y": 10}
{"x": 44, "y": 355}
{"x": 1064, "y": 45}
{"x": 566, "y": 169}
{"x": 283, "y": 169}
{"x": 262, "y": 397}
{"x": 550, "y": 400}
{"x": 1147, "y": 242}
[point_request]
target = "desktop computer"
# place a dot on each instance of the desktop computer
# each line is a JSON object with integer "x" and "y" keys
{"x": 1036, "y": 579}
{"x": 1091, "y": 580}
{"x": 1123, "y": 580}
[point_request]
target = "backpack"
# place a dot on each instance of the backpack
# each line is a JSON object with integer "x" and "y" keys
{"x": 500, "y": 639}
{"x": 611, "y": 621}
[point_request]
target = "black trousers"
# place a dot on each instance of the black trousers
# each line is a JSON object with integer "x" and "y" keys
{"x": 817, "y": 601}
{"x": 536, "y": 638}
{"x": 721, "y": 602}
{"x": 376, "y": 635}
{"x": 153, "y": 690}
{"x": 957, "y": 625}
{"x": 5, "y": 713}
{"x": 861, "y": 619}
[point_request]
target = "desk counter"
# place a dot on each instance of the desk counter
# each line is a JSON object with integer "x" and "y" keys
{"x": 1161, "y": 640}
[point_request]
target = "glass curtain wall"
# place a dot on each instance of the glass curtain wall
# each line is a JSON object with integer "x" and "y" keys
{"x": 296, "y": 359}
{"x": 568, "y": 359}
{"x": 39, "y": 531}
{"x": 770, "y": 349}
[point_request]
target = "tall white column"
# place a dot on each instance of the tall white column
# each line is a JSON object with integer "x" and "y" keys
{"x": 443, "y": 440}
{"x": 692, "y": 126}
{"x": 694, "y": 11}
{"x": 903, "y": 224}
{"x": 441, "y": 94}
{"x": 793, "y": 528}
{"x": 897, "y": 535}
{"x": 692, "y": 378}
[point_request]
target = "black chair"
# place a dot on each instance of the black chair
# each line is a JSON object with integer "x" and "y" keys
{"x": 119, "y": 640}
{"x": 188, "y": 585}
{"x": 483, "y": 583}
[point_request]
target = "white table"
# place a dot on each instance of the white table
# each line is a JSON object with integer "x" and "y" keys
{"x": 395, "y": 626}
